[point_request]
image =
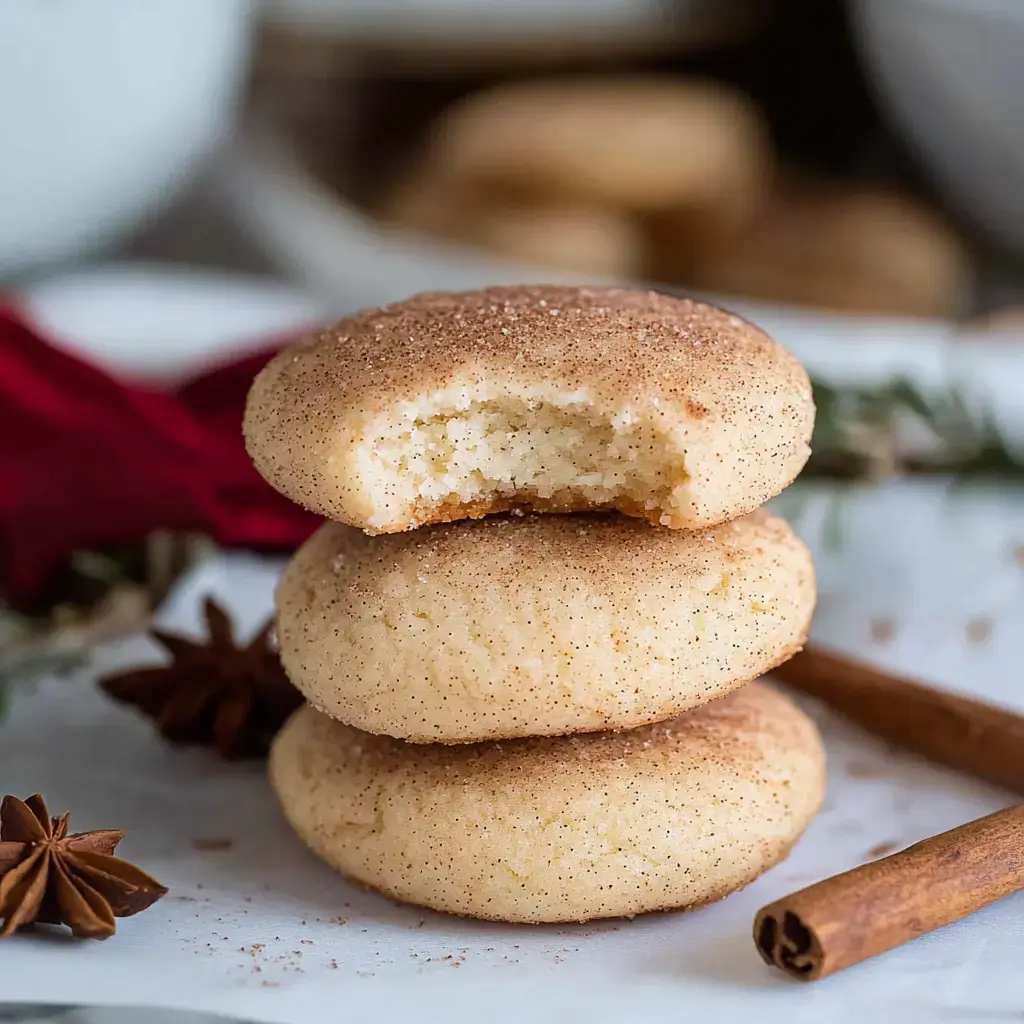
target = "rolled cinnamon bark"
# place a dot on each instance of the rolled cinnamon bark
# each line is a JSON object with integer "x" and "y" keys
{"x": 873, "y": 908}
{"x": 968, "y": 735}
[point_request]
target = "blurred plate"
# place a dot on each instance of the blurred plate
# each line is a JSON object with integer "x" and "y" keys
{"x": 158, "y": 324}
{"x": 336, "y": 249}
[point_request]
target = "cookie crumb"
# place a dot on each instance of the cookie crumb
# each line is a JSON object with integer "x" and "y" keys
{"x": 881, "y": 849}
{"x": 978, "y": 630}
{"x": 882, "y": 630}
{"x": 212, "y": 844}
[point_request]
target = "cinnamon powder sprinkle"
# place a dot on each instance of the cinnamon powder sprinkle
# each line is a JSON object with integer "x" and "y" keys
{"x": 882, "y": 630}
{"x": 978, "y": 630}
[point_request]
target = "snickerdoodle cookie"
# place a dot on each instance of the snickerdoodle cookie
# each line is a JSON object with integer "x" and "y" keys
{"x": 559, "y": 829}
{"x": 538, "y": 625}
{"x": 455, "y": 405}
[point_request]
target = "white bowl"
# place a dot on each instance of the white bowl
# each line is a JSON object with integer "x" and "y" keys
{"x": 105, "y": 106}
{"x": 951, "y": 75}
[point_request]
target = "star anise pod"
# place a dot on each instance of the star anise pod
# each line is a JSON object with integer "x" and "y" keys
{"x": 49, "y": 877}
{"x": 216, "y": 692}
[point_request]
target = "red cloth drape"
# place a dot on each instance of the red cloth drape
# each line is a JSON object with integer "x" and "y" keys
{"x": 86, "y": 460}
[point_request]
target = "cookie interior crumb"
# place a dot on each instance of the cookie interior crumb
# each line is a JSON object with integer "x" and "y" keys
{"x": 534, "y": 443}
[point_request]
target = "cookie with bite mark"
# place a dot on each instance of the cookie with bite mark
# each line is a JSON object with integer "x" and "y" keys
{"x": 450, "y": 406}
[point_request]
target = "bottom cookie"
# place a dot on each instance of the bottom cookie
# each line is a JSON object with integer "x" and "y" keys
{"x": 559, "y": 829}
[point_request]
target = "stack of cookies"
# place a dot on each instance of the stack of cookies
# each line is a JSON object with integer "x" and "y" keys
{"x": 528, "y": 716}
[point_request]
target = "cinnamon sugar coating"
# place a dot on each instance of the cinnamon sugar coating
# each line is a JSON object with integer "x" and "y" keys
{"x": 451, "y": 405}
{"x": 538, "y": 625}
{"x": 559, "y": 829}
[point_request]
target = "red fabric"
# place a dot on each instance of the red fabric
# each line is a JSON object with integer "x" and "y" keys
{"x": 87, "y": 461}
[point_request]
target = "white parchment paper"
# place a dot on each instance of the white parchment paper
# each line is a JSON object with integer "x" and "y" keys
{"x": 922, "y": 577}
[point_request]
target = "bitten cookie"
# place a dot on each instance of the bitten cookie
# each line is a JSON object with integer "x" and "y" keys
{"x": 455, "y": 405}
{"x": 538, "y": 626}
{"x": 569, "y": 829}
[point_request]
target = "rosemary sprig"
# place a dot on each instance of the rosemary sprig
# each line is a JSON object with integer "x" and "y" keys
{"x": 865, "y": 433}
{"x": 95, "y": 596}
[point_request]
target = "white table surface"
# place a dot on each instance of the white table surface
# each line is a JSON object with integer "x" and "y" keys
{"x": 263, "y": 930}
{"x": 921, "y": 576}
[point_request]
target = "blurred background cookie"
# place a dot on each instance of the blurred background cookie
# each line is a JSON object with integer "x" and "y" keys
{"x": 557, "y": 233}
{"x": 810, "y": 86}
{"x": 824, "y": 245}
{"x": 636, "y": 143}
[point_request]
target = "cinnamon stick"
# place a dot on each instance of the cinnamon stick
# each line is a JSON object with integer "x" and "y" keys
{"x": 873, "y": 908}
{"x": 968, "y": 735}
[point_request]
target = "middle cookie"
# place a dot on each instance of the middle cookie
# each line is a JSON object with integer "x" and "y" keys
{"x": 538, "y": 625}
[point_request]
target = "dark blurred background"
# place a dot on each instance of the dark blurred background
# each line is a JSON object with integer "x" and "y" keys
{"x": 310, "y": 133}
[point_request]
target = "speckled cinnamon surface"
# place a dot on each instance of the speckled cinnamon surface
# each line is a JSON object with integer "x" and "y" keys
{"x": 559, "y": 829}
{"x": 734, "y": 401}
{"x": 538, "y": 625}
